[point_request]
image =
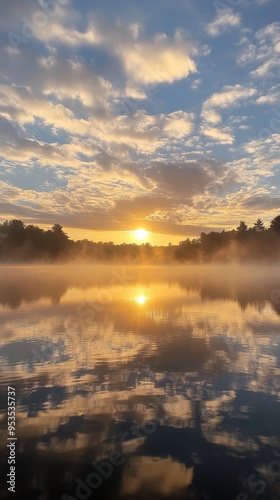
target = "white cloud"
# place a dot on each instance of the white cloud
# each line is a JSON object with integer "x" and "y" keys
{"x": 218, "y": 135}
{"x": 145, "y": 133}
{"x": 135, "y": 92}
{"x": 224, "y": 20}
{"x": 265, "y": 149}
{"x": 158, "y": 61}
{"x": 269, "y": 98}
{"x": 196, "y": 83}
{"x": 67, "y": 36}
{"x": 178, "y": 124}
{"x": 263, "y": 51}
{"x": 227, "y": 98}
{"x": 147, "y": 61}
{"x": 211, "y": 116}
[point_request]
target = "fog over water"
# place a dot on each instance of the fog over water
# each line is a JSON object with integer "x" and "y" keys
{"x": 175, "y": 367}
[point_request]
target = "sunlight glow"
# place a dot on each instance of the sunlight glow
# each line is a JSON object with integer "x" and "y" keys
{"x": 141, "y": 299}
{"x": 141, "y": 234}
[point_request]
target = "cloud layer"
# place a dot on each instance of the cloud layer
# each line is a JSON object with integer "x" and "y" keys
{"x": 109, "y": 121}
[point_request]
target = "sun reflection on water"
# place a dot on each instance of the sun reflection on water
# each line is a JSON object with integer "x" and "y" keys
{"x": 141, "y": 299}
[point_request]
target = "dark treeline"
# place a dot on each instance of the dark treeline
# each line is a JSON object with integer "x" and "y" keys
{"x": 21, "y": 243}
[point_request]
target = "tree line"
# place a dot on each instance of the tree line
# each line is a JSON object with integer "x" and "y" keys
{"x": 20, "y": 242}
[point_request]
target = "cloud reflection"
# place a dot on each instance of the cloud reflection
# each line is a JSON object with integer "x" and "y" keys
{"x": 173, "y": 346}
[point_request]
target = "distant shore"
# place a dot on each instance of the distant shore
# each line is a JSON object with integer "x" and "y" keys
{"x": 20, "y": 243}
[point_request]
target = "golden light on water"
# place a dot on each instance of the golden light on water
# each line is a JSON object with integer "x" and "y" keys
{"x": 141, "y": 299}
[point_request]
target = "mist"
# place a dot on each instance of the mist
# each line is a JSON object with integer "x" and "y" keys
{"x": 245, "y": 283}
{"x": 20, "y": 243}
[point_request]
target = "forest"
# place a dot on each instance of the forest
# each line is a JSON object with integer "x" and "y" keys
{"x": 28, "y": 243}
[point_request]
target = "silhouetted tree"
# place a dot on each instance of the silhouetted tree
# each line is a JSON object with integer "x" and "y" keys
{"x": 35, "y": 239}
{"x": 57, "y": 241}
{"x": 187, "y": 250}
{"x": 22, "y": 243}
{"x": 16, "y": 231}
{"x": 242, "y": 228}
{"x": 275, "y": 224}
{"x": 57, "y": 228}
{"x": 259, "y": 226}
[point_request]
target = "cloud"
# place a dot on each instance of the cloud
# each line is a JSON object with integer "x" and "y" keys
{"x": 211, "y": 116}
{"x": 265, "y": 148}
{"x": 268, "y": 98}
{"x": 55, "y": 76}
{"x": 178, "y": 124}
{"x": 142, "y": 207}
{"x": 262, "y": 52}
{"x": 229, "y": 97}
{"x": 218, "y": 135}
{"x": 138, "y": 130}
{"x": 15, "y": 146}
{"x": 99, "y": 109}
{"x": 158, "y": 61}
{"x": 184, "y": 180}
{"x": 196, "y": 83}
{"x": 224, "y": 20}
{"x": 262, "y": 203}
{"x": 156, "y": 196}
{"x": 154, "y": 60}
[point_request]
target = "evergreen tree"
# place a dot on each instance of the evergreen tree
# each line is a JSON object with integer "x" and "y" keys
{"x": 242, "y": 228}
{"x": 259, "y": 226}
{"x": 275, "y": 224}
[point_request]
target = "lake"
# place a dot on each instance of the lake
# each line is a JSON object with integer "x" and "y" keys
{"x": 141, "y": 382}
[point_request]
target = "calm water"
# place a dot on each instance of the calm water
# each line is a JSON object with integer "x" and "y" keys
{"x": 142, "y": 382}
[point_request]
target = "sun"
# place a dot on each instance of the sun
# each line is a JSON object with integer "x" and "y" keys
{"x": 141, "y": 234}
{"x": 141, "y": 299}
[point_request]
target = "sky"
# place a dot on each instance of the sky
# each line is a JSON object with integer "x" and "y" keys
{"x": 162, "y": 115}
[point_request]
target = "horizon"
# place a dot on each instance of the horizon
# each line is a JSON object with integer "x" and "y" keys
{"x": 28, "y": 243}
{"x": 142, "y": 237}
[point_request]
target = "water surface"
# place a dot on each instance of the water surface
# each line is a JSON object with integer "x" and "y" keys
{"x": 174, "y": 368}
